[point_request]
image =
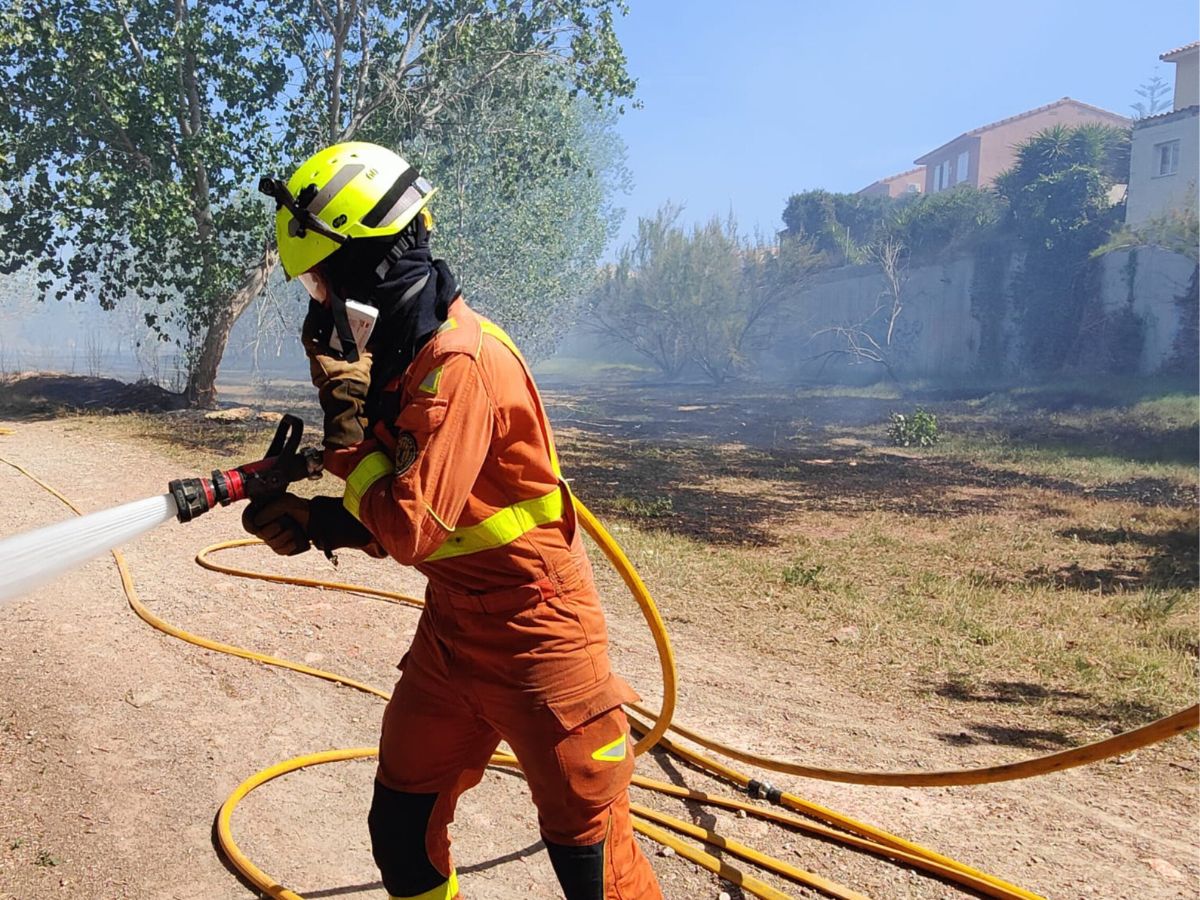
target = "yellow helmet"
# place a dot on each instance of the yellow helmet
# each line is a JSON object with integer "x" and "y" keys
{"x": 351, "y": 190}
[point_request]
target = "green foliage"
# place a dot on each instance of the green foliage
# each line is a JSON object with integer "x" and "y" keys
{"x": 118, "y": 176}
{"x": 990, "y": 300}
{"x": 134, "y": 132}
{"x": 1184, "y": 359}
{"x": 636, "y": 301}
{"x": 934, "y": 226}
{"x": 836, "y": 225}
{"x": 1125, "y": 334}
{"x": 919, "y": 429}
{"x": 1060, "y": 212}
{"x": 524, "y": 242}
{"x": 1177, "y": 230}
{"x": 1156, "y": 97}
{"x": 800, "y": 575}
{"x": 930, "y": 226}
{"x": 708, "y": 297}
{"x": 644, "y": 508}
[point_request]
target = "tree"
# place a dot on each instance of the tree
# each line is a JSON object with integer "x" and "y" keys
{"x": 707, "y": 297}
{"x": 838, "y": 225}
{"x": 870, "y": 339}
{"x": 134, "y": 131}
{"x": 1059, "y": 212}
{"x": 526, "y": 213}
{"x": 741, "y": 285}
{"x": 844, "y": 227}
{"x": 637, "y": 300}
{"x": 932, "y": 226}
{"x": 1154, "y": 93}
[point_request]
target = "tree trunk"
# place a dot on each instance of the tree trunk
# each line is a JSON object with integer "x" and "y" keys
{"x": 202, "y": 380}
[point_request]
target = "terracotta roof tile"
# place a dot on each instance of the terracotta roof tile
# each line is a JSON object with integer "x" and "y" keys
{"x": 974, "y": 132}
{"x": 1182, "y": 113}
{"x": 1178, "y": 51}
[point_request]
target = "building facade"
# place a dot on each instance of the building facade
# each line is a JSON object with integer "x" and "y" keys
{"x": 910, "y": 182}
{"x": 1164, "y": 156}
{"x": 976, "y": 157}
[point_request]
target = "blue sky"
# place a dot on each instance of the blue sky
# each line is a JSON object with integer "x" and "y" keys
{"x": 746, "y": 103}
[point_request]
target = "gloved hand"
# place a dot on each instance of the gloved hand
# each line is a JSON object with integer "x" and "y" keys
{"x": 281, "y": 523}
{"x": 291, "y": 524}
{"x": 341, "y": 386}
{"x": 331, "y": 527}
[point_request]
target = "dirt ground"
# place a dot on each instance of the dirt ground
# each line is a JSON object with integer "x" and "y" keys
{"x": 118, "y": 744}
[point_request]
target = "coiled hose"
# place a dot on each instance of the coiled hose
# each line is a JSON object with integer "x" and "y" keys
{"x": 653, "y": 729}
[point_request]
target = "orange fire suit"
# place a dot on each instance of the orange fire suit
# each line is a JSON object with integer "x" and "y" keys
{"x": 512, "y": 643}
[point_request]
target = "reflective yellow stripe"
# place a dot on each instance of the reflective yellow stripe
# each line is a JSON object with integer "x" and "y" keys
{"x": 502, "y": 527}
{"x": 370, "y": 469}
{"x": 499, "y": 334}
{"x": 614, "y": 752}
{"x": 449, "y": 325}
{"x": 445, "y": 891}
{"x": 432, "y": 380}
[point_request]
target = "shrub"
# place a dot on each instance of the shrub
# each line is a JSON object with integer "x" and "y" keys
{"x": 920, "y": 429}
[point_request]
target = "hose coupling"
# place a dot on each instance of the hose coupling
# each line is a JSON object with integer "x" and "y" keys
{"x": 764, "y": 790}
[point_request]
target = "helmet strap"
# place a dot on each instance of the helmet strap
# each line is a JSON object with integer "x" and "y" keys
{"x": 304, "y": 217}
{"x": 337, "y": 306}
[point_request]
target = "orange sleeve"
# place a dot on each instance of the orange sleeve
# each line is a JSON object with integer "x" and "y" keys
{"x": 443, "y": 439}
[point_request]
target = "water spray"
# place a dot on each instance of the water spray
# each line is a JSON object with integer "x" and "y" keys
{"x": 33, "y": 558}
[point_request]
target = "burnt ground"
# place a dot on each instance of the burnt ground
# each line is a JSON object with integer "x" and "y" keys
{"x": 117, "y": 744}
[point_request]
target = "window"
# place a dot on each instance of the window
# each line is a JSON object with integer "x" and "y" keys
{"x": 941, "y": 175}
{"x": 964, "y": 159}
{"x": 1168, "y": 158}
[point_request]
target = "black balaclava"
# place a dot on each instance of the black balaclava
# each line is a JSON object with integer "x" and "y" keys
{"x": 411, "y": 290}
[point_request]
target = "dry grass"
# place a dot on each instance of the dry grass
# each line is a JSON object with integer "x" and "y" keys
{"x": 1087, "y": 614}
{"x": 1039, "y": 565}
{"x": 1053, "y": 585}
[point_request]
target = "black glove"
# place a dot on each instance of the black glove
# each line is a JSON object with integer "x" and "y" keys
{"x": 282, "y": 523}
{"x": 291, "y": 524}
{"x": 331, "y": 526}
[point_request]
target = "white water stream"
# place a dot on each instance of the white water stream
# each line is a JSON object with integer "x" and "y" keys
{"x": 30, "y": 559}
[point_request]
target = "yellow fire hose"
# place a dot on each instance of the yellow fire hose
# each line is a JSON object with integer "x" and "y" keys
{"x": 853, "y": 833}
{"x": 1158, "y": 730}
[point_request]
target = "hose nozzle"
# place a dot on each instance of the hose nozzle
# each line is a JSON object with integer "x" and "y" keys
{"x": 262, "y": 480}
{"x": 193, "y": 496}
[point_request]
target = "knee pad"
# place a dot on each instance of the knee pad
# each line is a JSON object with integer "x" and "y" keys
{"x": 398, "y": 823}
{"x": 580, "y": 870}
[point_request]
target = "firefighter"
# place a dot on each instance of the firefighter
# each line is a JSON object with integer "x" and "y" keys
{"x": 449, "y": 466}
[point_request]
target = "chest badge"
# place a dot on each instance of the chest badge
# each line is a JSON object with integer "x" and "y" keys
{"x": 406, "y": 452}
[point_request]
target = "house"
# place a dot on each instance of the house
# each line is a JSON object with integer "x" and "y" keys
{"x": 910, "y": 182}
{"x": 978, "y": 156}
{"x": 1164, "y": 155}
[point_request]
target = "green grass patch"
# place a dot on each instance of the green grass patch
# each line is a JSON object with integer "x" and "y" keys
{"x": 1070, "y": 462}
{"x": 969, "y": 609}
{"x": 575, "y": 368}
{"x": 643, "y": 507}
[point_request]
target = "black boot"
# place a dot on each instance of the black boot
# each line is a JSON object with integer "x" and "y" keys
{"x": 580, "y": 870}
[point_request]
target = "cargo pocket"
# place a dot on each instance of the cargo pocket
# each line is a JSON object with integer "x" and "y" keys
{"x": 594, "y": 757}
{"x": 573, "y": 711}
